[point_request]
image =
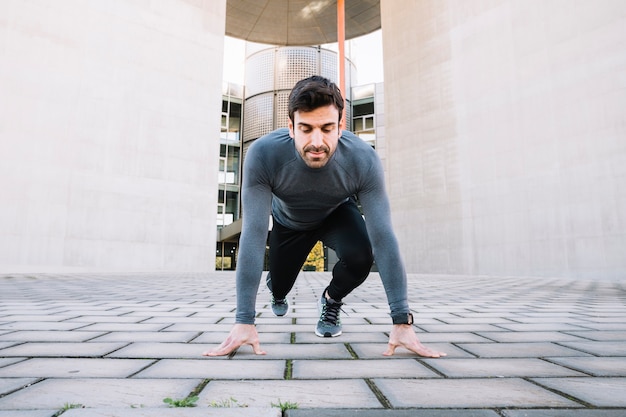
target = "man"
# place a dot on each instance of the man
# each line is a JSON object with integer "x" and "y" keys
{"x": 309, "y": 178}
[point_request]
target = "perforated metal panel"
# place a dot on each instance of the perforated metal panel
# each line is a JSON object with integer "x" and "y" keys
{"x": 328, "y": 65}
{"x": 294, "y": 64}
{"x": 282, "y": 109}
{"x": 258, "y": 116}
{"x": 270, "y": 76}
{"x": 260, "y": 72}
{"x": 348, "y": 121}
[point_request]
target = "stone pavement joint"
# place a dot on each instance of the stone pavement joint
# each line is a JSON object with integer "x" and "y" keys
{"x": 118, "y": 344}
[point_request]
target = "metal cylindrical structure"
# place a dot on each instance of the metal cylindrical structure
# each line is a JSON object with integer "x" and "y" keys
{"x": 271, "y": 74}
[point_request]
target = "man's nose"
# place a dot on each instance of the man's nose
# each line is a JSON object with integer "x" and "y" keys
{"x": 317, "y": 138}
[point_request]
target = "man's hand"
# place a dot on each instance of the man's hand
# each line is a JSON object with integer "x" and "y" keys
{"x": 403, "y": 335}
{"x": 240, "y": 334}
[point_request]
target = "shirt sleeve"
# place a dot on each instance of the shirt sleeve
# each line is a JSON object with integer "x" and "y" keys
{"x": 256, "y": 202}
{"x": 376, "y": 208}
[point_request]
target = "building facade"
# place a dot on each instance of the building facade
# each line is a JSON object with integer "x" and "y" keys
{"x": 504, "y": 134}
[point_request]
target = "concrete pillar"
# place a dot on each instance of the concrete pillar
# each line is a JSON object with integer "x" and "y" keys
{"x": 109, "y": 134}
{"x": 506, "y": 135}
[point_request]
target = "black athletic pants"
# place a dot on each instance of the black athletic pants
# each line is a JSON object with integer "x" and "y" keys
{"x": 343, "y": 230}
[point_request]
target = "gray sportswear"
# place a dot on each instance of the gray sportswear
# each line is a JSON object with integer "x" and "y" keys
{"x": 277, "y": 181}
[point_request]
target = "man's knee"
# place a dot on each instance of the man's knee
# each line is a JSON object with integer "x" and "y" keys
{"x": 359, "y": 263}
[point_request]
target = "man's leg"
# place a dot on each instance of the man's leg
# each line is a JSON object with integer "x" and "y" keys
{"x": 288, "y": 252}
{"x": 345, "y": 232}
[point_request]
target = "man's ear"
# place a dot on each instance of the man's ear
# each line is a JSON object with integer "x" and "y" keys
{"x": 290, "y": 125}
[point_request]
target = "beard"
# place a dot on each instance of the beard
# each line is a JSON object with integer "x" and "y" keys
{"x": 315, "y": 161}
{"x": 312, "y": 148}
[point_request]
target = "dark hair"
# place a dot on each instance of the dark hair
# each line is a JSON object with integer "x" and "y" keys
{"x": 314, "y": 92}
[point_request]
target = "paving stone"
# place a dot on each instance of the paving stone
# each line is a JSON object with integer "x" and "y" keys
{"x": 50, "y": 336}
{"x": 375, "y": 351}
{"x": 517, "y": 337}
{"x": 563, "y": 413}
{"x": 347, "y": 393}
{"x": 105, "y": 319}
{"x": 297, "y": 351}
{"x": 101, "y": 314}
{"x": 468, "y": 393}
{"x": 32, "y": 349}
{"x": 599, "y": 348}
{"x": 391, "y": 413}
{"x": 446, "y": 328}
{"x": 198, "y": 327}
{"x": 551, "y": 319}
{"x": 11, "y": 384}
{"x": 475, "y": 320}
{"x": 516, "y": 350}
{"x": 541, "y": 327}
{"x": 461, "y": 337}
{"x": 309, "y": 328}
{"x": 9, "y": 361}
{"x": 417, "y": 320}
{"x": 41, "y": 325}
{"x": 600, "y": 335}
{"x": 608, "y": 327}
{"x": 159, "y": 350}
{"x": 603, "y": 366}
{"x": 98, "y": 392}
{"x": 498, "y": 368}
{"x": 125, "y": 327}
{"x": 359, "y": 328}
{"x": 343, "y": 369}
{"x": 38, "y": 317}
{"x": 174, "y": 412}
{"x": 599, "y": 392}
{"x": 215, "y": 369}
{"x": 201, "y": 321}
{"x": 146, "y": 337}
{"x": 346, "y": 337}
{"x": 215, "y": 338}
{"x": 594, "y": 314}
{"x": 75, "y": 368}
{"x": 28, "y": 413}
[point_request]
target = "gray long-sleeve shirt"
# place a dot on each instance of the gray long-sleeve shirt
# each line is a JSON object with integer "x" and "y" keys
{"x": 277, "y": 181}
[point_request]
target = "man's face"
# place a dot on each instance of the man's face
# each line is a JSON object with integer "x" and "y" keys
{"x": 316, "y": 134}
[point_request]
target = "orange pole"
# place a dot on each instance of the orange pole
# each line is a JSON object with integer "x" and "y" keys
{"x": 341, "y": 38}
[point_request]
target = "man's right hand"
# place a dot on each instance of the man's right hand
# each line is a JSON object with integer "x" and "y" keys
{"x": 240, "y": 334}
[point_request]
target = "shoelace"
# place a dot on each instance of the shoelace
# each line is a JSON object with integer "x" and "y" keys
{"x": 330, "y": 312}
{"x": 278, "y": 302}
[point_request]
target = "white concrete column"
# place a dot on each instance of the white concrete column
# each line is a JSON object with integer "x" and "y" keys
{"x": 506, "y": 135}
{"x": 109, "y": 134}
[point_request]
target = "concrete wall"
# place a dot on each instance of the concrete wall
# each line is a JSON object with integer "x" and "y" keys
{"x": 506, "y": 135}
{"x": 109, "y": 128}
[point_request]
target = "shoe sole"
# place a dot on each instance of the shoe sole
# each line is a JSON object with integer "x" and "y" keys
{"x": 328, "y": 334}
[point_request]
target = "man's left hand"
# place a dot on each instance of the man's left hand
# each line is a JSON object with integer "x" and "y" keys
{"x": 403, "y": 335}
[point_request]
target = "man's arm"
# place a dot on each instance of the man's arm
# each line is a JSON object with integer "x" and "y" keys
{"x": 256, "y": 204}
{"x": 377, "y": 210}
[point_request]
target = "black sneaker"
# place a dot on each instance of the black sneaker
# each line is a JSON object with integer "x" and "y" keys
{"x": 329, "y": 324}
{"x": 280, "y": 308}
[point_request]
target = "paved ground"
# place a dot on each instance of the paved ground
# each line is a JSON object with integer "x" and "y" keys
{"x": 116, "y": 345}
